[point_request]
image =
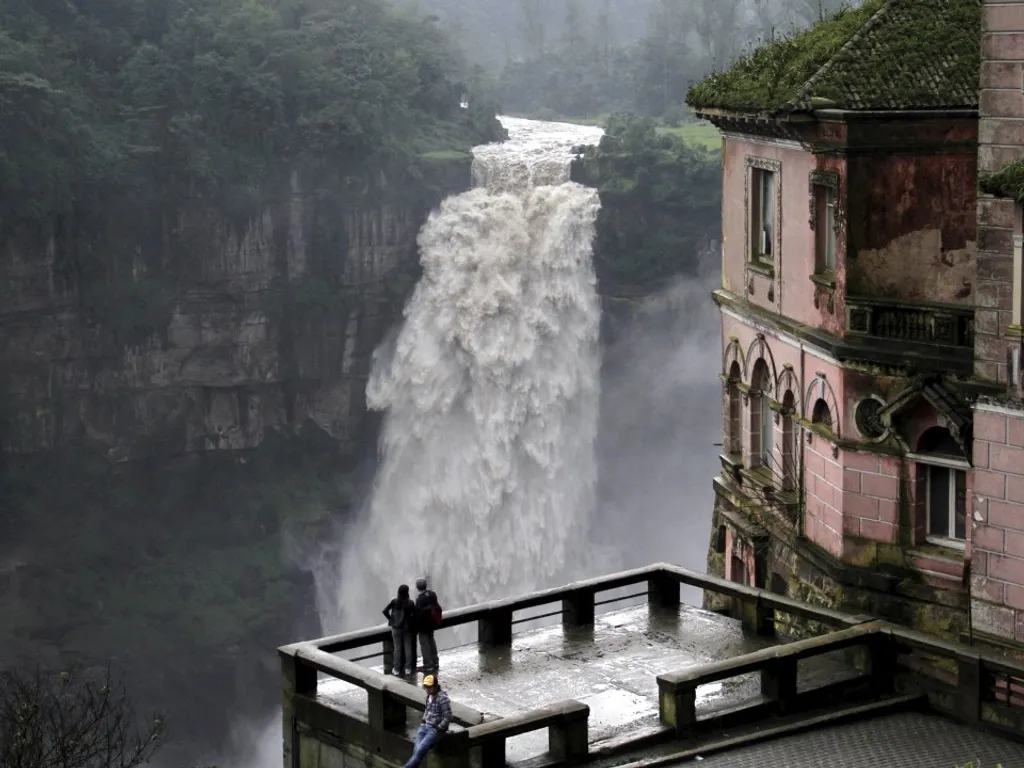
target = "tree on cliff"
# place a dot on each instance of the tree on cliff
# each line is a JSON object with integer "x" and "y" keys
{"x": 72, "y": 720}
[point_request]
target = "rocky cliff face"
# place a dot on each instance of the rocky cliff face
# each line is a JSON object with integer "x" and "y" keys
{"x": 207, "y": 331}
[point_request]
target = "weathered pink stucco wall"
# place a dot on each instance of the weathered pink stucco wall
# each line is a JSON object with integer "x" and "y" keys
{"x": 792, "y": 292}
{"x": 997, "y": 531}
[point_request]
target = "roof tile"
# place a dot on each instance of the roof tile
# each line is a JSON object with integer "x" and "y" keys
{"x": 885, "y": 55}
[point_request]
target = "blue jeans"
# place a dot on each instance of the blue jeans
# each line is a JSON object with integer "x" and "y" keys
{"x": 426, "y": 739}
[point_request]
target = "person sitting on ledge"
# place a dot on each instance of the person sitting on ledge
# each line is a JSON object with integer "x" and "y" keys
{"x": 437, "y": 716}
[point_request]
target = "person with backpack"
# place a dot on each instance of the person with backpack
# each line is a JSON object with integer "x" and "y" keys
{"x": 400, "y": 613}
{"x": 428, "y": 619}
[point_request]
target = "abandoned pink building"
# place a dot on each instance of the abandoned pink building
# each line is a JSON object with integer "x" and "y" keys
{"x": 871, "y": 315}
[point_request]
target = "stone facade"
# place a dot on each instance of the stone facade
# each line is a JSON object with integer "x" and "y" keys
{"x": 910, "y": 505}
{"x": 1000, "y": 141}
{"x": 850, "y": 351}
{"x": 997, "y": 527}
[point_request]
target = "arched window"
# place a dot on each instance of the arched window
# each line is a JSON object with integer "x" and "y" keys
{"x": 734, "y": 425}
{"x": 821, "y": 414}
{"x": 761, "y": 415}
{"x": 789, "y": 447}
{"x": 942, "y": 471}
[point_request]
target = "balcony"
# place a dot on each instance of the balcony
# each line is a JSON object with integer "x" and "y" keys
{"x": 917, "y": 323}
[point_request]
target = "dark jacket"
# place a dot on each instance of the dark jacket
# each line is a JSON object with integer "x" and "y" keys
{"x": 424, "y": 600}
{"x": 400, "y": 613}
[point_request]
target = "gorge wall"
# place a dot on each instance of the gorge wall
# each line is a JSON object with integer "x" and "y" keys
{"x": 211, "y": 330}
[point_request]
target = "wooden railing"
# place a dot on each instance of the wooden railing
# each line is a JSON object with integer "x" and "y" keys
{"x": 947, "y": 325}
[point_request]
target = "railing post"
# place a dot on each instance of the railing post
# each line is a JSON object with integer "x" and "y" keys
{"x": 569, "y": 740}
{"x": 453, "y": 751}
{"x": 778, "y": 682}
{"x": 677, "y": 705}
{"x": 492, "y": 752}
{"x": 578, "y": 608}
{"x": 298, "y": 679}
{"x": 385, "y": 713}
{"x": 756, "y": 615}
{"x": 663, "y": 590}
{"x": 882, "y": 663}
{"x": 970, "y": 679}
{"x": 495, "y": 627}
{"x": 388, "y": 655}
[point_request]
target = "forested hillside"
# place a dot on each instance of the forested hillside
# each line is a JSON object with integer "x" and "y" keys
{"x": 142, "y": 100}
{"x": 208, "y": 212}
{"x": 589, "y": 57}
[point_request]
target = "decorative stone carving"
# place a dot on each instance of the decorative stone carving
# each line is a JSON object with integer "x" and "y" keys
{"x": 866, "y": 417}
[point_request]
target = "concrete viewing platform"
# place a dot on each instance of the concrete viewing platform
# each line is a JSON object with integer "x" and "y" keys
{"x": 661, "y": 681}
{"x": 611, "y": 667}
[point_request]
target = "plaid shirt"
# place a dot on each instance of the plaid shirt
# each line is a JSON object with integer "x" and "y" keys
{"x": 438, "y": 712}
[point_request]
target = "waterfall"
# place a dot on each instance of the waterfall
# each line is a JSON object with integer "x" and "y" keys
{"x": 487, "y": 472}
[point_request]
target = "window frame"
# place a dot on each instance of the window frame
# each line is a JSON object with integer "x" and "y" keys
{"x": 956, "y": 467}
{"x": 759, "y": 169}
{"x": 826, "y": 215}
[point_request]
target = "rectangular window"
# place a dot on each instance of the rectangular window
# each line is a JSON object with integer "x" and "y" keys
{"x": 762, "y": 219}
{"x": 825, "y": 229}
{"x": 946, "y": 503}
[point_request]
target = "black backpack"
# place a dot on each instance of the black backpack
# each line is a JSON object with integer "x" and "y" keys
{"x": 435, "y": 612}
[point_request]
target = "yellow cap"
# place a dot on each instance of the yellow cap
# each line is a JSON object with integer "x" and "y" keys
{"x": 428, "y": 681}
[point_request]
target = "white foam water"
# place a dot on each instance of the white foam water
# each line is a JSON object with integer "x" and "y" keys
{"x": 490, "y": 391}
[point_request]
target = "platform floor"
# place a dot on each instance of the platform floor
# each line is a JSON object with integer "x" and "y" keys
{"x": 612, "y": 668}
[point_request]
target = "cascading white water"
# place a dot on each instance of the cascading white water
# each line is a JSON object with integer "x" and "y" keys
{"x": 488, "y": 473}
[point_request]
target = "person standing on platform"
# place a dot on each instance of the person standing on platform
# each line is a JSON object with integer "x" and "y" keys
{"x": 400, "y": 613}
{"x": 428, "y": 619}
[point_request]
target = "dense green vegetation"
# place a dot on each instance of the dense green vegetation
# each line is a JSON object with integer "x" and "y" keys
{"x": 146, "y": 102}
{"x": 135, "y": 133}
{"x": 1008, "y": 181}
{"x": 661, "y": 204}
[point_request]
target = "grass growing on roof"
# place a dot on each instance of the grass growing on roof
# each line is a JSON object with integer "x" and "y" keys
{"x": 771, "y": 75}
{"x": 1006, "y": 182}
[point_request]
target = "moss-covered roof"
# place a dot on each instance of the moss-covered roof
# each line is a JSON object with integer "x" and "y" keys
{"x": 1006, "y": 182}
{"x": 885, "y": 55}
